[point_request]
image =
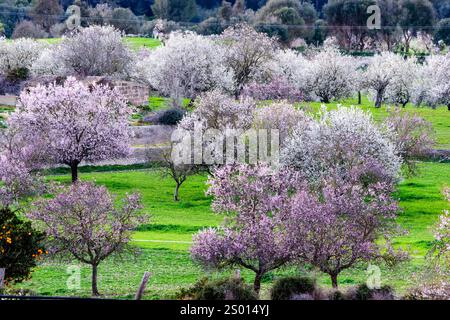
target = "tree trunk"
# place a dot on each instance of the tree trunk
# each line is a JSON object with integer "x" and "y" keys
{"x": 74, "y": 170}
{"x": 94, "y": 281}
{"x": 359, "y": 97}
{"x": 334, "y": 281}
{"x": 176, "y": 192}
{"x": 257, "y": 283}
{"x": 379, "y": 99}
{"x": 448, "y": 107}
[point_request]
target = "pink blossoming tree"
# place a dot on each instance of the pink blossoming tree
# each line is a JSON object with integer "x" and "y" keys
{"x": 17, "y": 164}
{"x": 76, "y": 122}
{"x": 254, "y": 234}
{"x": 84, "y": 222}
{"x": 339, "y": 226}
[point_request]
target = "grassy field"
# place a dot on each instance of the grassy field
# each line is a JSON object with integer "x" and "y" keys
{"x": 440, "y": 117}
{"x": 166, "y": 240}
{"x": 134, "y": 42}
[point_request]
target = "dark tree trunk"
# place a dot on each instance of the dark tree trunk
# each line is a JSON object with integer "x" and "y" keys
{"x": 74, "y": 170}
{"x": 379, "y": 99}
{"x": 257, "y": 282}
{"x": 94, "y": 281}
{"x": 334, "y": 280}
{"x": 176, "y": 192}
{"x": 359, "y": 97}
{"x": 448, "y": 107}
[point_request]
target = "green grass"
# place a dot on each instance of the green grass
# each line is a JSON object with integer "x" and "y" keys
{"x": 440, "y": 117}
{"x": 134, "y": 42}
{"x": 139, "y": 42}
{"x": 166, "y": 240}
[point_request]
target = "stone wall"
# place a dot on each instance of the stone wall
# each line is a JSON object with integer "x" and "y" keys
{"x": 136, "y": 93}
{"x": 10, "y": 101}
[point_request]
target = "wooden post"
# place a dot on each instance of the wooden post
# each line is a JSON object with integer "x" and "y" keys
{"x": 2, "y": 276}
{"x": 144, "y": 281}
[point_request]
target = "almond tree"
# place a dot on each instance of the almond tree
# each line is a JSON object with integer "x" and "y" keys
{"x": 331, "y": 76}
{"x": 339, "y": 142}
{"x": 82, "y": 221}
{"x": 253, "y": 235}
{"x": 18, "y": 163}
{"x": 186, "y": 66}
{"x": 245, "y": 52}
{"x": 380, "y": 74}
{"x": 339, "y": 226}
{"x": 74, "y": 122}
{"x": 413, "y": 137}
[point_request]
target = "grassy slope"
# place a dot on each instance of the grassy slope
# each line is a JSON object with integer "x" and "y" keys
{"x": 176, "y": 222}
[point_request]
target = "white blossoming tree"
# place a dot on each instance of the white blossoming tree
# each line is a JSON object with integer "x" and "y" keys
{"x": 186, "y": 66}
{"x": 331, "y": 76}
{"x": 380, "y": 74}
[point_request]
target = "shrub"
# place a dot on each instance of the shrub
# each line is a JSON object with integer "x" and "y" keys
{"x": 430, "y": 291}
{"x": 17, "y": 57}
{"x": 363, "y": 292}
{"x": 20, "y": 246}
{"x": 287, "y": 288}
{"x": 225, "y": 289}
{"x": 170, "y": 116}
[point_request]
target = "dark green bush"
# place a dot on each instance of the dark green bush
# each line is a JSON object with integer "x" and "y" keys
{"x": 286, "y": 288}
{"x": 20, "y": 246}
{"x": 225, "y": 289}
{"x": 171, "y": 116}
{"x": 363, "y": 292}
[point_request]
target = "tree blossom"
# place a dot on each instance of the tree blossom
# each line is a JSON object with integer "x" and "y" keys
{"x": 401, "y": 87}
{"x": 433, "y": 87}
{"x": 18, "y": 162}
{"x": 17, "y": 57}
{"x": 75, "y": 122}
{"x": 220, "y": 115}
{"x": 187, "y": 65}
{"x": 245, "y": 51}
{"x": 93, "y": 51}
{"x": 276, "y": 89}
{"x": 282, "y": 116}
{"x": 331, "y": 76}
{"x": 219, "y": 111}
{"x": 380, "y": 73}
{"x": 413, "y": 136}
{"x": 84, "y": 222}
{"x": 339, "y": 227}
{"x": 48, "y": 64}
{"x": 337, "y": 143}
{"x": 290, "y": 66}
{"x": 254, "y": 233}
{"x": 441, "y": 246}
